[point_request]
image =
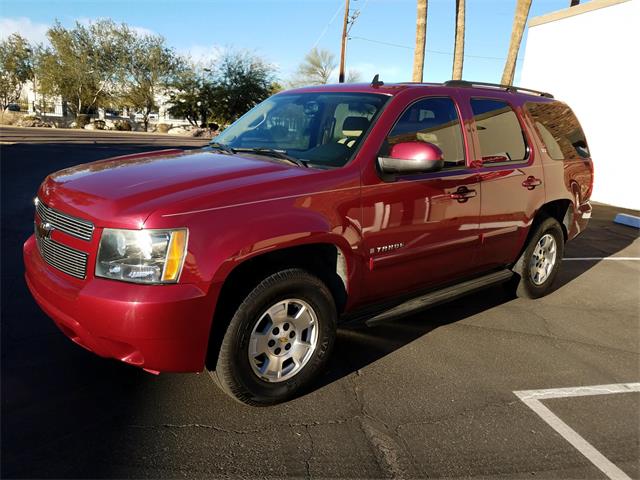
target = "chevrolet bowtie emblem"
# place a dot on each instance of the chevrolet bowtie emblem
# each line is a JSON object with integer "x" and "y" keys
{"x": 45, "y": 229}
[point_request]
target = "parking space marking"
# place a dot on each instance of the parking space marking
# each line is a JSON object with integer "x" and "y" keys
{"x": 532, "y": 398}
{"x": 597, "y": 259}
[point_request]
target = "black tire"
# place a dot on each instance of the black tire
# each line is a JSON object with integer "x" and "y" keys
{"x": 233, "y": 371}
{"x": 522, "y": 283}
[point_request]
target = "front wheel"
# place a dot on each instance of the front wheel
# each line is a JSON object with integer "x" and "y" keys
{"x": 278, "y": 340}
{"x": 539, "y": 263}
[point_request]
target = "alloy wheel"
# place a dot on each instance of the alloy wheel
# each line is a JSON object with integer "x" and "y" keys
{"x": 283, "y": 340}
{"x": 543, "y": 259}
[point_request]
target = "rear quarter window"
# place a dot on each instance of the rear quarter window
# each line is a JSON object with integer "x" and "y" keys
{"x": 559, "y": 130}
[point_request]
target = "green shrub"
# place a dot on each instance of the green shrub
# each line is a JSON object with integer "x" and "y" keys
{"x": 82, "y": 119}
{"x": 30, "y": 121}
{"x": 10, "y": 118}
{"x": 122, "y": 125}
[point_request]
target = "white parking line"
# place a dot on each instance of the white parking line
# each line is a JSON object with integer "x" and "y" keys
{"x": 597, "y": 259}
{"x": 532, "y": 398}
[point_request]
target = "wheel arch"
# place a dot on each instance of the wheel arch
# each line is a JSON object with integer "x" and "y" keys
{"x": 324, "y": 259}
{"x": 559, "y": 210}
{"x": 556, "y": 209}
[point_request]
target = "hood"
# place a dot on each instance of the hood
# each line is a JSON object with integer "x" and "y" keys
{"x": 124, "y": 191}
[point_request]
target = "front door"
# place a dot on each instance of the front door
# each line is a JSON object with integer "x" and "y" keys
{"x": 420, "y": 231}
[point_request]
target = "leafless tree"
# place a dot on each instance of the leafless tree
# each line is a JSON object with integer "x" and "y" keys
{"x": 316, "y": 69}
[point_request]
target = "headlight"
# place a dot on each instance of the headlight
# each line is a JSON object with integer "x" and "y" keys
{"x": 141, "y": 256}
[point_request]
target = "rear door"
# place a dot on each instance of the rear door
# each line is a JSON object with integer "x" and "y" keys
{"x": 511, "y": 179}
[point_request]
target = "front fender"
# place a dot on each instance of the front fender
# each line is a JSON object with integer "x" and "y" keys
{"x": 264, "y": 237}
{"x": 221, "y": 239}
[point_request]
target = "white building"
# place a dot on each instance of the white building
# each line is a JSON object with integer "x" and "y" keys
{"x": 35, "y": 103}
{"x": 587, "y": 57}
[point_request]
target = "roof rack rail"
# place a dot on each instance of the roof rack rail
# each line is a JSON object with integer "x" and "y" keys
{"x": 508, "y": 88}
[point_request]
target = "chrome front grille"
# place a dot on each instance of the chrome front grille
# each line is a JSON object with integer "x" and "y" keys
{"x": 66, "y": 259}
{"x": 76, "y": 227}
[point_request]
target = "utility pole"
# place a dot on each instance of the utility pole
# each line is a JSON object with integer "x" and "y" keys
{"x": 343, "y": 47}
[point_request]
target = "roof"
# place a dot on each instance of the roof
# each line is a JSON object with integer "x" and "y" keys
{"x": 573, "y": 11}
{"x": 395, "y": 88}
{"x": 388, "y": 89}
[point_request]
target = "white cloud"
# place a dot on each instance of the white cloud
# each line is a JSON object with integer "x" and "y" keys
{"x": 37, "y": 32}
{"x": 139, "y": 30}
{"x": 203, "y": 54}
{"x": 142, "y": 31}
{"x": 32, "y": 31}
{"x": 389, "y": 73}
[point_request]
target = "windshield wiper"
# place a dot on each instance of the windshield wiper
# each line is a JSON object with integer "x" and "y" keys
{"x": 274, "y": 153}
{"x": 222, "y": 148}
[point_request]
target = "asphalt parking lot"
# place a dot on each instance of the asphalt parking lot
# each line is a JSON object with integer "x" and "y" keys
{"x": 430, "y": 395}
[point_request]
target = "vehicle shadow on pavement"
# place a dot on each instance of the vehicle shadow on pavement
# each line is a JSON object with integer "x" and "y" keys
{"x": 56, "y": 397}
{"x": 359, "y": 345}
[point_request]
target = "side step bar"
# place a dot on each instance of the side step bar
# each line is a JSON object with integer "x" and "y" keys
{"x": 439, "y": 296}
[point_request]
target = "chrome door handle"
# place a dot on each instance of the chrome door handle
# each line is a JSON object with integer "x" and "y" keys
{"x": 531, "y": 182}
{"x": 463, "y": 194}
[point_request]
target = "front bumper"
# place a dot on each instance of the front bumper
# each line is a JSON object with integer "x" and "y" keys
{"x": 156, "y": 327}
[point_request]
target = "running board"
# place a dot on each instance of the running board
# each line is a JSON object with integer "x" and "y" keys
{"x": 439, "y": 296}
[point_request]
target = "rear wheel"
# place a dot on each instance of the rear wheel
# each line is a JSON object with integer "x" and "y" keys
{"x": 539, "y": 263}
{"x": 278, "y": 340}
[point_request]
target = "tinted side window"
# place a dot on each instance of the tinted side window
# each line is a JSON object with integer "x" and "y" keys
{"x": 432, "y": 120}
{"x": 499, "y": 132}
{"x": 559, "y": 130}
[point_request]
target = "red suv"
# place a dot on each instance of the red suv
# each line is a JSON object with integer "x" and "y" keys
{"x": 319, "y": 204}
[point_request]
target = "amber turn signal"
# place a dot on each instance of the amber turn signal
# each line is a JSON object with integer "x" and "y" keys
{"x": 175, "y": 256}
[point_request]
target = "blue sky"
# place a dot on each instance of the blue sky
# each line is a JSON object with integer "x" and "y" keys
{"x": 282, "y": 31}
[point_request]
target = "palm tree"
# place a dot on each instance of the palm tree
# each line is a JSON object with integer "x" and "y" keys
{"x": 421, "y": 39}
{"x": 458, "y": 49}
{"x": 519, "y": 22}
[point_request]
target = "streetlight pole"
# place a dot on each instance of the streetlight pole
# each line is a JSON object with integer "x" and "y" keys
{"x": 343, "y": 46}
{"x": 201, "y": 103}
{"x": 33, "y": 81}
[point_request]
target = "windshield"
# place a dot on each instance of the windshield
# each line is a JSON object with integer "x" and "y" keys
{"x": 320, "y": 129}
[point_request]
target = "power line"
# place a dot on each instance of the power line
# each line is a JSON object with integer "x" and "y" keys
{"x": 438, "y": 52}
{"x": 353, "y": 17}
{"x": 380, "y": 42}
{"x": 326, "y": 27}
{"x": 364, "y": 6}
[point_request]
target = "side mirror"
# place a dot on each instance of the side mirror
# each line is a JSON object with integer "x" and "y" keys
{"x": 409, "y": 158}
